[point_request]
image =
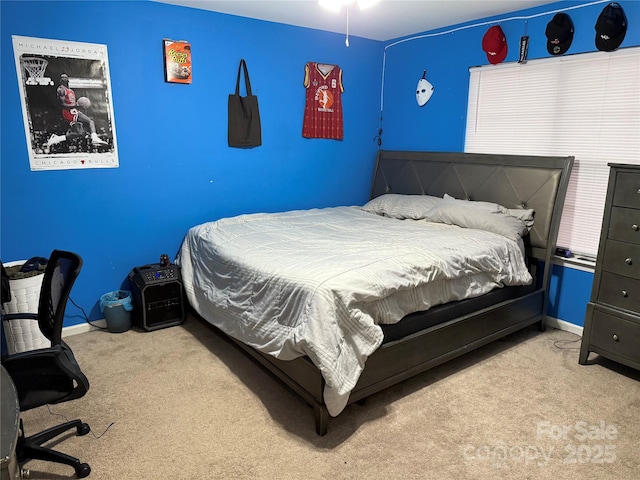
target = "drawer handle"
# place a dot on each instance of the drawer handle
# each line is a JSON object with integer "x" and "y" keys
{"x": 624, "y": 293}
{"x": 615, "y": 338}
{"x": 628, "y": 261}
{"x": 634, "y": 227}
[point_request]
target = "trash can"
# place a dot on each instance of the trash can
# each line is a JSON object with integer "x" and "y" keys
{"x": 23, "y": 334}
{"x": 117, "y": 307}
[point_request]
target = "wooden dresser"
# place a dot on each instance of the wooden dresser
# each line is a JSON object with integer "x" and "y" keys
{"x": 612, "y": 322}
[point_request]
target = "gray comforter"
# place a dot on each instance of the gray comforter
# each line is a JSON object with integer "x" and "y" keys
{"x": 319, "y": 282}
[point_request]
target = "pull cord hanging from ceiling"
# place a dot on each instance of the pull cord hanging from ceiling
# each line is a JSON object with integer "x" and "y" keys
{"x": 346, "y": 40}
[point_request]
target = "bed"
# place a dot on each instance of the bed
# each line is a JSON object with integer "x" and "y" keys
{"x": 452, "y": 251}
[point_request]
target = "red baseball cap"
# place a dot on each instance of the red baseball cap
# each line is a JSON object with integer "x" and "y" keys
{"x": 494, "y": 44}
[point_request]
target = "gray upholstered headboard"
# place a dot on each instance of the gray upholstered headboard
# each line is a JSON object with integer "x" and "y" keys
{"x": 511, "y": 180}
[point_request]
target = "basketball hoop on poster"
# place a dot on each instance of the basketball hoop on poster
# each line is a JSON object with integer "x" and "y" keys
{"x": 36, "y": 67}
{"x": 79, "y": 132}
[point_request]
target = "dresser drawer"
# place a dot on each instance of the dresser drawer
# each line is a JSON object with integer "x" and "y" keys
{"x": 622, "y": 258}
{"x": 627, "y": 193}
{"x": 624, "y": 225}
{"x": 619, "y": 291}
{"x": 616, "y": 335}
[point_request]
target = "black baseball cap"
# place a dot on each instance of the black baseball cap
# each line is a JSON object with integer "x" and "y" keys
{"x": 611, "y": 27}
{"x": 559, "y": 34}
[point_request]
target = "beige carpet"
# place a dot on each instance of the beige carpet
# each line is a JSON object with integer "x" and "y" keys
{"x": 187, "y": 404}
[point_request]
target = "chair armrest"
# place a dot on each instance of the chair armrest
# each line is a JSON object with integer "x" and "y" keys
{"x": 20, "y": 316}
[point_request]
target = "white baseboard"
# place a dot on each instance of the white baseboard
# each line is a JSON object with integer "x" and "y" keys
{"x": 566, "y": 326}
{"x": 83, "y": 328}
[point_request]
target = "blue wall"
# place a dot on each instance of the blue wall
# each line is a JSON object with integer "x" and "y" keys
{"x": 569, "y": 293}
{"x": 440, "y": 124}
{"x": 120, "y": 218}
{"x": 176, "y": 169}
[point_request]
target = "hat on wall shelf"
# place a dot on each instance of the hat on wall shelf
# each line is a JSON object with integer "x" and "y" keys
{"x": 559, "y": 34}
{"x": 611, "y": 27}
{"x": 494, "y": 44}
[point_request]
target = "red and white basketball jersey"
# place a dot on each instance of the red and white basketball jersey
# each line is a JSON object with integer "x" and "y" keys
{"x": 323, "y": 108}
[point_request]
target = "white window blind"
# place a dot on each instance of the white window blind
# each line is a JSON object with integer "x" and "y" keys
{"x": 585, "y": 105}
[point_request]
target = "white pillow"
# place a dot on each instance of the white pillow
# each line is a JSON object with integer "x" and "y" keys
{"x": 524, "y": 214}
{"x": 478, "y": 218}
{"x": 414, "y": 207}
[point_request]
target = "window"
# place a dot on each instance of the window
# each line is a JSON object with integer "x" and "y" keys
{"x": 585, "y": 105}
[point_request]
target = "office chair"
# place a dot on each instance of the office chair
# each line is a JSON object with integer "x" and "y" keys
{"x": 49, "y": 375}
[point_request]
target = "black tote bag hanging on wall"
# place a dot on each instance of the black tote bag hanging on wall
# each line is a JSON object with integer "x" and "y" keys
{"x": 244, "y": 116}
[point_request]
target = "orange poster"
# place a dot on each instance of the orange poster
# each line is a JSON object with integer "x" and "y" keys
{"x": 177, "y": 61}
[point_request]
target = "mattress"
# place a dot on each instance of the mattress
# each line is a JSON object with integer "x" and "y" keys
{"x": 321, "y": 282}
{"x": 418, "y": 321}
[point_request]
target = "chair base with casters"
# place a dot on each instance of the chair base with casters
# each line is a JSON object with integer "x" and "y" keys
{"x": 30, "y": 448}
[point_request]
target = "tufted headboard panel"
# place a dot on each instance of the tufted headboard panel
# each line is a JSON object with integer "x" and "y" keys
{"x": 510, "y": 180}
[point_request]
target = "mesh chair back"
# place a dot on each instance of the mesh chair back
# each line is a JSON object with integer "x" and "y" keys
{"x": 62, "y": 270}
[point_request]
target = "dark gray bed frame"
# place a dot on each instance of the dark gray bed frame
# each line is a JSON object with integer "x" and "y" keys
{"x": 510, "y": 180}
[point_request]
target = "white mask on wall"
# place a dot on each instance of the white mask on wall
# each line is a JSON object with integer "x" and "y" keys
{"x": 423, "y": 91}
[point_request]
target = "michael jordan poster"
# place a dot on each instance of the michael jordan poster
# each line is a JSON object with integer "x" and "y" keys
{"x": 67, "y": 107}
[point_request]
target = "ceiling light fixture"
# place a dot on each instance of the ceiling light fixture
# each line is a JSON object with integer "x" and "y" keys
{"x": 336, "y": 5}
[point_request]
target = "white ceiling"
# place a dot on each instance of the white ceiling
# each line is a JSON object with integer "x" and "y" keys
{"x": 385, "y": 20}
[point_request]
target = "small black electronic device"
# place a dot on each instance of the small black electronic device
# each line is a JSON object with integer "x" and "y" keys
{"x": 157, "y": 296}
{"x": 563, "y": 252}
